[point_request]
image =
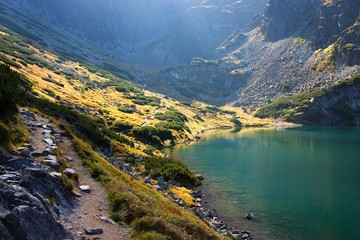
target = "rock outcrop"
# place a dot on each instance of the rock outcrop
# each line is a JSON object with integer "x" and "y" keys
{"x": 31, "y": 200}
{"x": 283, "y": 18}
{"x": 214, "y": 82}
{"x": 340, "y": 105}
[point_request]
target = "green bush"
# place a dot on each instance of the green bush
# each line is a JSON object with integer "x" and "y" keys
{"x": 121, "y": 126}
{"x": 170, "y": 169}
{"x": 126, "y": 109}
{"x": 172, "y": 119}
{"x": 236, "y": 122}
{"x": 13, "y": 131}
{"x": 10, "y": 90}
{"x": 140, "y": 99}
{"x": 152, "y": 135}
{"x": 53, "y": 81}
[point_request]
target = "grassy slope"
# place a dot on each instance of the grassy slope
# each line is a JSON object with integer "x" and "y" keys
{"x": 13, "y": 131}
{"x": 151, "y": 213}
{"x": 287, "y": 107}
{"x": 100, "y": 94}
{"x": 92, "y": 89}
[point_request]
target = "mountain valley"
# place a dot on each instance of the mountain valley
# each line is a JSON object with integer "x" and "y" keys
{"x": 124, "y": 80}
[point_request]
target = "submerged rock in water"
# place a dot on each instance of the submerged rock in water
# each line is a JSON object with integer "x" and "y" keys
{"x": 249, "y": 216}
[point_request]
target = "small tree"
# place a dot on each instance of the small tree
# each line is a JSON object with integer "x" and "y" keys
{"x": 10, "y": 90}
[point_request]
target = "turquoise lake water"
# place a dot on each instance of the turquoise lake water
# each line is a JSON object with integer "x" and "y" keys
{"x": 300, "y": 183}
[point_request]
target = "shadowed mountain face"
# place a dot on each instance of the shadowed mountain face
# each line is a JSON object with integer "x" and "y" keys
{"x": 154, "y": 33}
{"x": 258, "y": 49}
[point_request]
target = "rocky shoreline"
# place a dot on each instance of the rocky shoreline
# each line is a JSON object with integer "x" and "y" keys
{"x": 211, "y": 217}
{"x": 36, "y": 188}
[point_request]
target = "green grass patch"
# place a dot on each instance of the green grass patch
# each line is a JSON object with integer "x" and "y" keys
{"x": 53, "y": 81}
{"x": 286, "y": 107}
{"x": 13, "y": 131}
{"x": 16, "y": 46}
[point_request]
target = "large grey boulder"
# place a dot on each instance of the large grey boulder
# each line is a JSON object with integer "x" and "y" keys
{"x": 25, "y": 222}
{"x": 38, "y": 181}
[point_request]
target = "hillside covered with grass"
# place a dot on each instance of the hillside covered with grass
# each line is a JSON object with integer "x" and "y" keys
{"x": 107, "y": 115}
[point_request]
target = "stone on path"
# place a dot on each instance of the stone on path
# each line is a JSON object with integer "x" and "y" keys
{"x": 26, "y": 153}
{"x": 52, "y": 163}
{"x": 49, "y": 141}
{"x": 56, "y": 174}
{"x": 51, "y": 157}
{"x": 46, "y": 131}
{"x": 107, "y": 220}
{"x": 69, "y": 159}
{"x": 85, "y": 188}
{"x": 47, "y": 151}
{"x": 93, "y": 230}
{"x": 69, "y": 171}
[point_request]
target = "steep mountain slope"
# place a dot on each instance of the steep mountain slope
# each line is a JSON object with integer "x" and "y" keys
{"x": 115, "y": 126}
{"x": 151, "y": 33}
{"x": 300, "y": 53}
{"x": 294, "y": 47}
{"x": 298, "y": 46}
{"x": 288, "y": 47}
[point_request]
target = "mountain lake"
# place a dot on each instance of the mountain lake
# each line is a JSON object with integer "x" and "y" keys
{"x": 300, "y": 183}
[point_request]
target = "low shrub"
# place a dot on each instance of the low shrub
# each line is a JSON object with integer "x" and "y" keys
{"x": 10, "y": 90}
{"x": 152, "y": 135}
{"x": 172, "y": 119}
{"x": 121, "y": 126}
{"x": 170, "y": 169}
{"x": 284, "y": 107}
{"x": 140, "y": 99}
{"x": 127, "y": 109}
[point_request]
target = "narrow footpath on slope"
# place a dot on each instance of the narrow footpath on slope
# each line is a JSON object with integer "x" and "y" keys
{"x": 92, "y": 211}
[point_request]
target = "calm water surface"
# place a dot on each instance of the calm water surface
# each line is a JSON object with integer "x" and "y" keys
{"x": 299, "y": 183}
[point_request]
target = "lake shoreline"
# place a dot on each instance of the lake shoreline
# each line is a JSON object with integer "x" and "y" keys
{"x": 280, "y": 175}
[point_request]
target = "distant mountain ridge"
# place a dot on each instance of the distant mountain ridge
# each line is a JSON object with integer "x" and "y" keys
{"x": 259, "y": 50}
{"x": 154, "y": 33}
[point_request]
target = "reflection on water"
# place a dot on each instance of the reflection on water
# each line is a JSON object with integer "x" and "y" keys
{"x": 300, "y": 183}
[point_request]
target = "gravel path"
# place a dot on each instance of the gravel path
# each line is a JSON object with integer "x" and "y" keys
{"x": 92, "y": 211}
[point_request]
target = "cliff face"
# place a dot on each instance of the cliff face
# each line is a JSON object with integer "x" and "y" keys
{"x": 333, "y": 18}
{"x": 283, "y": 18}
{"x": 26, "y": 208}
